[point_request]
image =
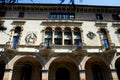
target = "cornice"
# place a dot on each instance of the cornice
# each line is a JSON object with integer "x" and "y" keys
{"x": 61, "y": 23}
{"x": 61, "y": 7}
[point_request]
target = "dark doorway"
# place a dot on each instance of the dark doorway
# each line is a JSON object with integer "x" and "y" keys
{"x": 26, "y": 72}
{"x": 62, "y": 74}
{"x": 97, "y": 72}
{"x": 2, "y": 70}
{"x": 117, "y": 65}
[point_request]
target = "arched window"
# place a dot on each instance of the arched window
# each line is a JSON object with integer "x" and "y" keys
{"x": 48, "y": 36}
{"x": 77, "y": 37}
{"x": 67, "y": 36}
{"x": 104, "y": 38}
{"x": 58, "y": 36}
{"x": 16, "y": 37}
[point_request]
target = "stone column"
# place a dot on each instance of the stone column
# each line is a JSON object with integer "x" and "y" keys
{"x": 44, "y": 74}
{"x": 72, "y": 37}
{"x": 114, "y": 74}
{"x": 53, "y": 37}
{"x": 8, "y": 74}
{"x": 43, "y": 35}
{"x": 62, "y": 37}
{"x": 82, "y": 75}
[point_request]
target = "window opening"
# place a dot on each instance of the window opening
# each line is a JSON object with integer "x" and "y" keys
{"x": 116, "y": 16}
{"x": 2, "y": 14}
{"x": 68, "y": 37}
{"x": 99, "y": 17}
{"x": 16, "y": 37}
{"x": 48, "y": 42}
{"x": 48, "y": 37}
{"x": 62, "y": 15}
{"x": 58, "y": 41}
{"x": 104, "y": 39}
{"x": 77, "y": 38}
{"x": 21, "y": 14}
{"x": 58, "y": 36}
{"x": 118, "y": 34}
{"x": 78, "y": 43}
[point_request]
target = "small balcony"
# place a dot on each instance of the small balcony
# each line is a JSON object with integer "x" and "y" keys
{"x": 10, "y": 52}
{"x": 46, "y": 50}
{"x": 111, "y": 51}
{"x": 80, "y": 51}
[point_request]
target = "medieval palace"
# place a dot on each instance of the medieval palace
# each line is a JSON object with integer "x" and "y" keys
{"x": 59, "y": 42}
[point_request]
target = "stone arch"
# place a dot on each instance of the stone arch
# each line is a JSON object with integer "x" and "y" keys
{"x": 56, "y": 56}
{"x": 25, "y": 65}
{"x": 114, "y": 61}
{"x": 12, "y": 62}
{"x": 58, "y": 28}
{"x": 97, "y": 68}
{"x": 64, "y": 62}
{"x": 48, "y": 28}
{"x": 67, "y": 28}
{"x": 86, "y": 58}
{"x": 76, "y": 28}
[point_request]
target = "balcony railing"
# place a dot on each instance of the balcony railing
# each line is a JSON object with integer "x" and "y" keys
{"x": 80, "y": 51}
{"x": 45, "y": 50}
{"x": 111, "y": 51}
{"x": 10, "y": 52}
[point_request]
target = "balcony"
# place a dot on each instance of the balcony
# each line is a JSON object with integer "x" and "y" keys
{"x": 80, "y": 51}
{"x": 111, "y": 51}
{"x": 46, "y": 50}
{"x": 10, "y": 52}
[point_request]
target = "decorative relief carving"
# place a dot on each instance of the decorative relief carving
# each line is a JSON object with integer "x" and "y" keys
{"x": 91, "y": 35}
{"x": 31, "y": 38}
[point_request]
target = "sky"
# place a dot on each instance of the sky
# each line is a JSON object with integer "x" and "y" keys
{"x": 80, "y": 2}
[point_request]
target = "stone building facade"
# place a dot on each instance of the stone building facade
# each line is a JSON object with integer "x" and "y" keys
{"x": 59, "y": 42}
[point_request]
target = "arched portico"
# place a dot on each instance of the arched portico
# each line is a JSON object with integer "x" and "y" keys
{"x": 63, "y": 68}
{"x": 97, "y": 69}
{"x": 27, "y": 68}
